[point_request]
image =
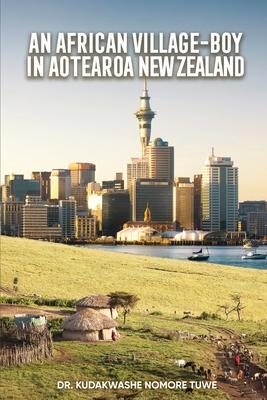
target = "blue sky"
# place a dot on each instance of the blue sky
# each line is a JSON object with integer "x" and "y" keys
{"x": 49, "y": 123}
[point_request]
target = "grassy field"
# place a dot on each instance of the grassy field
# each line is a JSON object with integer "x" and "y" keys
{"x": 144, "y": 351}
{"x": 56, "y": 270}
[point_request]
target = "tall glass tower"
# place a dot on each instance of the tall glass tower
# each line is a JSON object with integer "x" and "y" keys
{"x": 219, "y": 194}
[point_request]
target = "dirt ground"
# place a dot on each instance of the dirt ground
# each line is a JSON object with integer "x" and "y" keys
{"x": 9, "y": 310}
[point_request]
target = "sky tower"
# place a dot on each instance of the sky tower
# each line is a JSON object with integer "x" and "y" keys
{"x": 145, "y": 115}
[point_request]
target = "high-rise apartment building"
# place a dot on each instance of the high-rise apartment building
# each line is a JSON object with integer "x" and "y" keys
{"x": 67, "y": 217}
{"x": 184, "y": 203}
{"x": 219, "y": 194}
{"x": 60, "y": 184}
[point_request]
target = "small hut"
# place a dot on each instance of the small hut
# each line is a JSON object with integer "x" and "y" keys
{"x": 89, "y": 325}
{"x": 26, "y": 320}
{"x": 98, "y": 302}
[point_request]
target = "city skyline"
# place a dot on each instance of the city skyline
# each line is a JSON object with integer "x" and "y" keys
{"x": 48, "y": 124}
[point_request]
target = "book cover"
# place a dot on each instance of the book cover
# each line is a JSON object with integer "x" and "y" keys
{"x": 133, "y": 200}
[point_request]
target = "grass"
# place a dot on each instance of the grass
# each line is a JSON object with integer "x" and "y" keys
{"x": 145, "y": 351}
{"x": 138, "y": 355}
{"x": 165, "y": 285}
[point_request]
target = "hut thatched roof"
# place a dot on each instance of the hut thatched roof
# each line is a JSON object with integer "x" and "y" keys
{"x": 94, "y": 301}
{"x": 88, "y": 320}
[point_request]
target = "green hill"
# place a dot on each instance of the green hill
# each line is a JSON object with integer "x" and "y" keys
{"x": 57, "y": 270}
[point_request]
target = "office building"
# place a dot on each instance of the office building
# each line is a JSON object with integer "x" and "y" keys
{"x": 82, "y": 173}
{"x": 250, "y": 206}
{"x": 257, "y": 224}
{"x": 19, "y": 188}
{"x": 160, "y": 160}
{"x": 197, "y": 201}
{"x": 95, "y": 199}
{"x": 80, "y": 195}
{"x": 219, "y": 194}
{"x": 119, "y": 176}
{"x": 157, "y": 194}
{"x": 67, "y": 218}
{"x": 60, "y": 184}
{"x": 115, "y": 211}
{"x": 85, "y": 227}
{"x": 35, "y": 220}
{"x": 11, "y": 217}
{"x": 44, "y": 181}
{"x": 113, "y": 185}
{"x": 137, "y": 169}
{"x": 184, "y": 203}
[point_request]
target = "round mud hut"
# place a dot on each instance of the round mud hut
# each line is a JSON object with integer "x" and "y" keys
{"x": 89, "y": 325}
{"x": 98, "y": 302}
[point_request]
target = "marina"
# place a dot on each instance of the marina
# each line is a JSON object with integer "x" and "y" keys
{"x": 224, "y": 255}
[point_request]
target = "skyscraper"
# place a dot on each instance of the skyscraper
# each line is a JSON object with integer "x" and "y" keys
{"x": 157, "y": 194}
{"x": 184, "y": 203}
{"x": 197, "y": 201}
{"x": 11, "y": 217}
{"x": 115, "y": 211}
{"x": 44, "y": 179}
{"x": 35, "y": 224}
{"x": 137, "y": 169}
{"x": 19, "y": 188}
{"x": 81, "y": 173}
{"x": 67, "y": 217}
{"x": 160, "y": 160}
{"x": 145, "y": 116}
{"x": 60, "y": 188}
{"x": 219, "y": 194}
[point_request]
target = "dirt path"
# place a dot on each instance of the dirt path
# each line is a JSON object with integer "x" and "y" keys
{"x": 9, "y": 310}
{"x": 250, "y": 389}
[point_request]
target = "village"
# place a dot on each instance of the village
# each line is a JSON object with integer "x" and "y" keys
{"x": 30, "y": 337}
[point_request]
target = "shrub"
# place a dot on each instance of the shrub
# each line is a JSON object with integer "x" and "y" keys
{"x": 7, "y": 321}
{"x": 205, "y": 315}
{"x": 26, "y": 301}
{"x": 156, "y": 312}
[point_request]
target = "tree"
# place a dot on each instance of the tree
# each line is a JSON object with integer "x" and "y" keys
{"x": 125, "y": 301}
{"x": 227, "y": 309}
{"x": 238, "y": 306}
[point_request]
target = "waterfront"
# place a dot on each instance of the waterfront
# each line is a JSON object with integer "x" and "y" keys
{"x": 224, "y": 255}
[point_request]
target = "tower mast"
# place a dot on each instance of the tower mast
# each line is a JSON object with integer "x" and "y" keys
{"x": 145, "y": 116}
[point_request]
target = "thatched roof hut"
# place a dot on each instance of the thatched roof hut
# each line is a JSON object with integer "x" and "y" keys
{"x": 99, "y": 302}
{"x": 89, "y": 325}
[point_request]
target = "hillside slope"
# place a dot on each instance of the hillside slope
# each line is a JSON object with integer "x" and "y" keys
{"x": 57, "y": 270}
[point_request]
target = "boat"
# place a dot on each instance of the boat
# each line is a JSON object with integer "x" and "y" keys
{"x": 254, "y": 256}
{"x": 199, "y": 256}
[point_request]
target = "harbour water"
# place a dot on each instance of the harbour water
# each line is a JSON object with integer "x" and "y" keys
{"x": 225, "y": 255}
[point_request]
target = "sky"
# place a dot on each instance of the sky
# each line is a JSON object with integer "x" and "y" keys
{"x": 50, "y": 123}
